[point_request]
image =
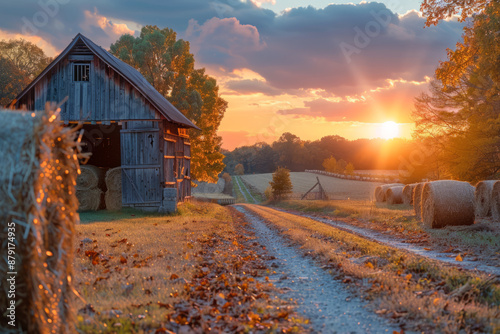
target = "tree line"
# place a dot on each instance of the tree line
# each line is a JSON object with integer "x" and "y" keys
{"x": 297, "y": 155}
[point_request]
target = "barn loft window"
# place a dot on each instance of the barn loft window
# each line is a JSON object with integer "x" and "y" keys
{"x": 81, "y": 72}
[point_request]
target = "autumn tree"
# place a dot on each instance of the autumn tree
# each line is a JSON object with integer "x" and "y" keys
{"x": 12, "y": 81}
{"x": 20, "y": 62}
{"x": 458, "y": 120}
{"x": 281, "y": 184}
{"x": 437, "y": 10}
{"x": 239, "y": 169}
{"x": 166, "y": 62}
{"x": 349, "y": 169}
{"x": 341, "y": 166}
{"x": 330, "y": 164}
{"x": 26, "y": 56}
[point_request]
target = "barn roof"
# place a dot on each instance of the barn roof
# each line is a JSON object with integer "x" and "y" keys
{"x": 129, "y": 73}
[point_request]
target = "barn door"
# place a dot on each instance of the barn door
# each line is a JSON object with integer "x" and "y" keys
{"x": 140, "y": 156}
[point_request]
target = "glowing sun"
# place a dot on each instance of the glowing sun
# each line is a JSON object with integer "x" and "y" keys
{"x": 389, "y": 130}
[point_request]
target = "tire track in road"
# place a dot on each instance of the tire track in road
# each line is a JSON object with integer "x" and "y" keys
{"x": 240, "y": 183}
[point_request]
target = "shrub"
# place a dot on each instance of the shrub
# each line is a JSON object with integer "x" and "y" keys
{"x": 281, "y": 184}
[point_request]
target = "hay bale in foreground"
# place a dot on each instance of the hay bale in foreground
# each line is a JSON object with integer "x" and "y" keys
{"x": 447, "y": 203}
{"x": 408, "y": 194}
{"x": 417, "y": 200}
{"x": 394, "y": 195}
{"x": 90, "y": 177}
{"x": 380, "y": 191}
{"x": 38, "y": 173}
{"x": 113, "y": 200}
{"x": 495, "y": 201}
{"x": 482, "y": 197}
{"x": 114, "y": 179}
{"x": 89, "y": 199}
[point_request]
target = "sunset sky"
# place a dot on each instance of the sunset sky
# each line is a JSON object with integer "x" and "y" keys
{"x": 313, "y": 68}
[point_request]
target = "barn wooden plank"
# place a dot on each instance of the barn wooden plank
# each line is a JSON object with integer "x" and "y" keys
{"x": 95, "y": 89}
{"x": 102, "y": 91}
{"x": 112, "y": 98}
{"x": 83, "y": 105}
{"x": 107, "y": 83}
{"x": 76, "y": 102}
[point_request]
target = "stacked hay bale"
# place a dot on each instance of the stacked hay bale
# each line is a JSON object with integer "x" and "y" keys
{"x": 37, "y": 196}
{"x": 483, "y": 196}
{"x": 113, "y": 197}
{"x": 417, "y": 199}
{"x": 88, "y": 188}
{"x": 394, "y": 195}
{"x": 408, "y": 194}
{"x": 495, "y": 201}
{"x": 447, "y": 203}
{"x": 380, "y": 191}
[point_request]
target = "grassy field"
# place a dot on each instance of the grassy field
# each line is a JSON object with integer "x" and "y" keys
{"x": 140, "y": 273}
{"x": 302, "y": 182}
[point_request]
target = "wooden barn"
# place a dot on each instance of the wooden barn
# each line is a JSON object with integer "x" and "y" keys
{"x": 127, "y": 122}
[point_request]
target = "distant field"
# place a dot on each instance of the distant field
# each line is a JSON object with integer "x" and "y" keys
{"x": 302, "y": 182}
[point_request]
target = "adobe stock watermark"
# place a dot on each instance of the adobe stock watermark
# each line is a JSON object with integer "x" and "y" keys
{"x": 364, "y": 37}
{"x": 416, "y": 159}
{"x": 224, "y": 9}
{"x": 48, "y": 10}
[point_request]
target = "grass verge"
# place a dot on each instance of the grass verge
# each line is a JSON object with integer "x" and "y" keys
{"x": 418, "y": 293}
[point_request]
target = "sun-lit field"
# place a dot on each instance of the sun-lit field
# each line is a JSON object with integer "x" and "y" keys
{"x": 302, "y": 182}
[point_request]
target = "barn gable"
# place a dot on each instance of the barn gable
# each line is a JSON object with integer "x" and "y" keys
{"x": 103, "y": 88}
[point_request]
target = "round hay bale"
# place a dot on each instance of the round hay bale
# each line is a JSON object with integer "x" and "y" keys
{"x": 447, "y": 203}
{"x": 394, "y": 195}
{"x": 114, "y": 179}
{"x": 408, "y": 194}
{"x": 482, "y": 198}
{"x": 90, "y": 177}
{"x": 417, "y": 200}
{"x": 88, "y": 199}
{"x": 495, "y": 201}
{"x": 113, "y": 200}
{"x": 380, "y": 191}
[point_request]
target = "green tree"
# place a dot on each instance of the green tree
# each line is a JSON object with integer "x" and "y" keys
{"x": 330, "y": 165}
{"x": 281, "y": 184}
{"x": 239, "y": 169}
{"x": 349, "y": 169}
{"x": 26, "y": 56}
{"x": 168, "y": 65}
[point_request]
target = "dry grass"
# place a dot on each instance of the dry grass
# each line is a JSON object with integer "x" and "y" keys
{"x": 417, "y": 292}
{"x": 394, "y": 216}
{"x": 154, "y": 248}
{"x": 302, "y": 182}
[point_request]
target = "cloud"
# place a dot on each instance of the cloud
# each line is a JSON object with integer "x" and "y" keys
{"x": 302, "y": 48}
{"x": 49, "y": 49}
{"x": 103, "y": 28}
{"x": 392, "y": 102}
{"x": 250, "y": 86}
